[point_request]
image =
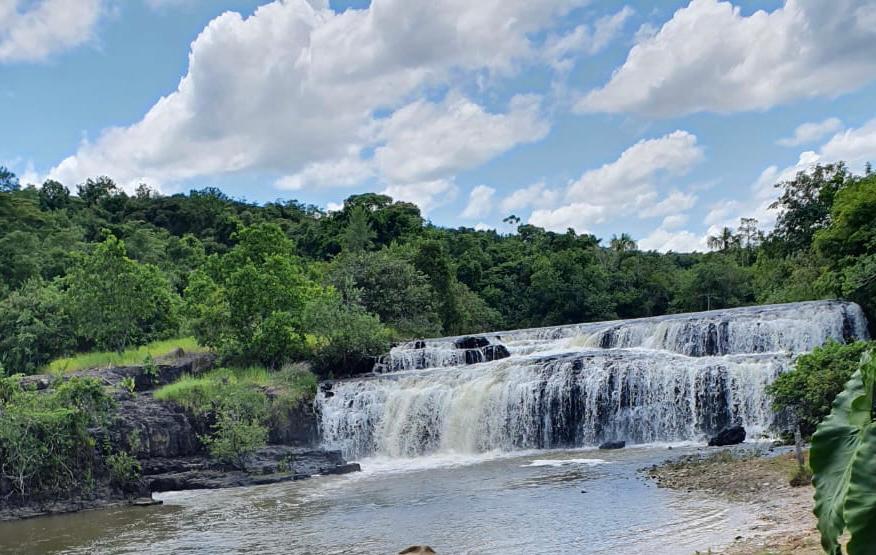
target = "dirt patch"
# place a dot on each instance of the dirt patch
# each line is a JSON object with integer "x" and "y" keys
{"x": 759, "y": 478}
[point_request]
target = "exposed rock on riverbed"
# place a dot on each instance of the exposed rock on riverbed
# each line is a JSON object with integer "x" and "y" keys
{"x": 757, "y": 478}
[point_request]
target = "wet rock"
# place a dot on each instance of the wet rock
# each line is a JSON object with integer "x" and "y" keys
{"x": 613, "y": 445}
{"x": 728, "y": 436}
{"x": 417, "y": 550}
{"x": 496, "y": 352}
{"x": 471, "y": 342}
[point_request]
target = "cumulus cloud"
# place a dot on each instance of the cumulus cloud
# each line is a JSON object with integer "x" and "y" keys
{"x": 536, "y": 195}
{"x": 425, "y": 140}
{"x": 34, "y": 30}
{"x": 626, "y": 186}
{"x": 854, "y": 146}
{"x": 665, "y": 240}
{"x": 710, "y": 57}
{"x": 319, "y": 81}
{"x": 810, "y": 132}
{"x": 480, "y": 202}
{"x": 561, "y": 50}
{"x": 427, "y": 195}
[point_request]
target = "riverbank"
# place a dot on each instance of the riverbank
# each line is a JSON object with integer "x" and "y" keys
{"x": 758, "y": 478}
{"x": 162, "y": 444}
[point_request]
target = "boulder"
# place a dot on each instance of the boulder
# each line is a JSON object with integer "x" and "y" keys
{"x": 728, "y": 436}
{"x": 613, "y": 445}
{"x": 471, "y": 342}
{"x": 417, "y": 550}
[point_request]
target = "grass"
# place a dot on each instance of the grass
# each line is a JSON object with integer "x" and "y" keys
{"x": 289, "y": 386}
{"x": 129, "y": 357}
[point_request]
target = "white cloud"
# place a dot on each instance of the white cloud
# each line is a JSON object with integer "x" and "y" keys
{"x": 427, "y": 195}
{"x": 34, "y": 30}
{"x": 481, "y": 226}
{"x": 342, "y": 172}
{"x": 536, "y": 195}
{"x": 320, "y": 78}
{"x": 710, "y": 57}
{"x": 674, "y": 202}
{"x": 811, "y": 132}
{"x": 561, "y": 51}
{"x": 674, "y": 221}
{"x": 664, "y": 240}
{"x": 628, "y": 185}
{"x": 854, "y": 146}
{"x": 480, "y": 202}
{"x": 425, "y": 140}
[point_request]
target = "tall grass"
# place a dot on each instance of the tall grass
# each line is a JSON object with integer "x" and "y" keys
{"x": 290, "y": 385}
{"x": 130, "y": 357}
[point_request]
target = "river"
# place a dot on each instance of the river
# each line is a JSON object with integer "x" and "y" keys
{"x": 579, "y": 501}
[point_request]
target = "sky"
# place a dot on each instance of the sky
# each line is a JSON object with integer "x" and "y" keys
{"x": 666, "y": 120}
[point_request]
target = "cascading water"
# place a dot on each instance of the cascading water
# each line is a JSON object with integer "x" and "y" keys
{"x": 669, "y": 378}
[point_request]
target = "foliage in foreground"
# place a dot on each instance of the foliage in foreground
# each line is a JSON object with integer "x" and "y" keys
{"x": 46, "y": 446}
{"x": 843, "y": 461}
{"x": 810, "y": 388}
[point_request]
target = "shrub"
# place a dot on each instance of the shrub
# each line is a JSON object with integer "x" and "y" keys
{"x": 46, "y": 446}
{"x": 235, "y": 437}
{"x": 124, "y": 469}
{"x": 809, "y": 390}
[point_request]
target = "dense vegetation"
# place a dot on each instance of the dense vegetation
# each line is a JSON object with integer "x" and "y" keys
{"x": 267, "y": 284}
{"x": 47, "y": 447}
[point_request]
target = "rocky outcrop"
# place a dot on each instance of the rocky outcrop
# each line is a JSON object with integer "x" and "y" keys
{"x": 728, "y": 436}
{"x": 166, "y": 441}
{"x": 270, "y": 465}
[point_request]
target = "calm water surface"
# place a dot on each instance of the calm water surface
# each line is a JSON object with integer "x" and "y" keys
{"x": 581, "y": 501}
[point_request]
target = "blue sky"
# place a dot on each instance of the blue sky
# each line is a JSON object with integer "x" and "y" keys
{"x": 665, "y": 122}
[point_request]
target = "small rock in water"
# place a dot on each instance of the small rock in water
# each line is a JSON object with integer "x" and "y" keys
{"x": 728, "y": 436}
{"x": 417, "y": 550}
{"x": 613, "y": 445}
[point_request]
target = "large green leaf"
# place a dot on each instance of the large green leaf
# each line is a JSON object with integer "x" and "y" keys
{"x": 860, "y": 507}
{"x": 842, "y": 463}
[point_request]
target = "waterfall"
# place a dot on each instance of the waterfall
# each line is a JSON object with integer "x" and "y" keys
{"x": 669, "y": 378}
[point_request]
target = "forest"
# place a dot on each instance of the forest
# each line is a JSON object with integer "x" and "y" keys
{"x": 95, "y": 268}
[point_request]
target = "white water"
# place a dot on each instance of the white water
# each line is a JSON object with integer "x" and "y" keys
{"x": 671, "y": 378}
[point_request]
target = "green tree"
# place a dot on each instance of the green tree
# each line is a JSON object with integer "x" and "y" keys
{"x": 358, "y": 235}
{"x": 249, "y": 303}
{"x": 34, "y": 327}
{"x": 94, "y": 191}
{"x": 347, "y": 337}
{"x": 805, "y": 205}
{"x": 384, "y": 283}
{"x": 8, "y": 180}
{"x": 53, "y": 195}
{"x": 115, "y": 302}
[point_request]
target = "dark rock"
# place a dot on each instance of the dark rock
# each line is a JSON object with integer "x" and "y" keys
{"x": 613, "y": 445}
{"x": 419, "y": 344}
{"x": 728, "y": 436}
{"x": 496, "y": 352}
{"x": 471, "y": 342}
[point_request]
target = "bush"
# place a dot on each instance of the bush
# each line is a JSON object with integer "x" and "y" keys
{"x": 235, "y": 437}
{"x": 46, "y": 446}
{"x": 810, "y": 389}
{"x": 346, "y": 336}
{"x": 124, "y": 469}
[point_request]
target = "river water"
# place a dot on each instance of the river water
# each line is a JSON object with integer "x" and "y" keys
{"x": 579, "y": 501}
{"x": 464, "y": 444}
